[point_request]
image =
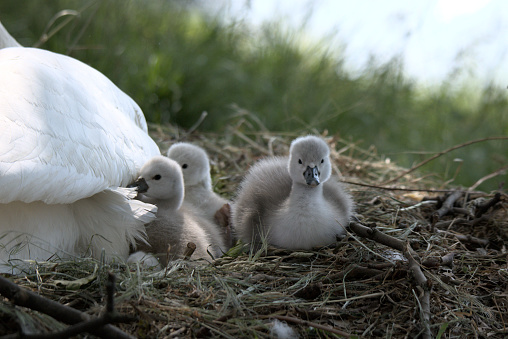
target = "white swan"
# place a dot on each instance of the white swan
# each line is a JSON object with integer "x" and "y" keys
{"x": 292, "y": 202}
{"x": 198, "y": 183}
{"x": 68, "y": 139}
{"x": 161, "y": 183}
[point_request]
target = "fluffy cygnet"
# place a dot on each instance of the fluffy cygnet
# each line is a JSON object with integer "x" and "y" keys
{"x": 291, "y": 202}
{"x": 161, "y": 183}
{"x": 198, "y": 183}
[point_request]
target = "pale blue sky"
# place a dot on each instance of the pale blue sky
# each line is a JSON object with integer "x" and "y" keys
{"x": 436, "y": 37}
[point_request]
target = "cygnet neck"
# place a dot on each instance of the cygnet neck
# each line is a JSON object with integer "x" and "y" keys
{"x": 170, "y": 204}
{"x": 302, "y": 192}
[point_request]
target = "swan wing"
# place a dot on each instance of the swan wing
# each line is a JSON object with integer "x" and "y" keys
{"x": 66, "y": 131}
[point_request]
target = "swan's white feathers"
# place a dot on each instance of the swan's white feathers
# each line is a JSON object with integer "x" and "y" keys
{"x": 59, "y": 156}
{"x": 42, "y": 231}
{"x": 68, "y": 138}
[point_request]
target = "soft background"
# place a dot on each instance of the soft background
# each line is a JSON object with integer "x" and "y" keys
{"x": 180, "y": 58}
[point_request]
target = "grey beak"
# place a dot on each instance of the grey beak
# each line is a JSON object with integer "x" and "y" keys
{"x": 140, "y": 184}
{"x": 311, "y": 176}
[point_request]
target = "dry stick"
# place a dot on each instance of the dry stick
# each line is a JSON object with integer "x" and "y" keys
{"x": 487, "y": 177}
{"x": 446, "y": 260}
{"x": 462, "y": 221}
{"x": 22, "y": 297}
{"x": 397, "y": 188}
{"x": 468, "y": 238}
{"x": 485, "y": 207}
{"x": 440, "y": 154}
{"x": 411, "y": 256}
{"x": 447, "y": 205}
{"x": 191, "y": 247}
{"x": 202, "y": 117}
{"x": 88, "y": 326}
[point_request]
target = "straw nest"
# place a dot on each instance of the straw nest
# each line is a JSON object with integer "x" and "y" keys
{"x": 356, "y": 287}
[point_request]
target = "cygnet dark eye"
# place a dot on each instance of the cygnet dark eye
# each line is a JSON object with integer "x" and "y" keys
{"x": 184, "y": 166}
{"x": 300, "y": 161}
{"x": 322, "y": 160}
{"x": 157, "y": 177}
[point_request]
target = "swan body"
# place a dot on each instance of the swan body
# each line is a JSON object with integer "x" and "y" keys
{"x": 293, "y": 202}
{"x": 161, "y": 183}
{"x": 68, "y": 139}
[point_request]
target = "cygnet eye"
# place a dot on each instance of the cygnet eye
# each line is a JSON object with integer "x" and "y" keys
{"x": 300, "y": 161}
{"x": 184, "y": 166}
{"x": 157, "y": 177}
{"x": 322, "y": 160}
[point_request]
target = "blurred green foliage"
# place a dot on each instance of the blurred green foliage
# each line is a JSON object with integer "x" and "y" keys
{"x": 176, "y": 62}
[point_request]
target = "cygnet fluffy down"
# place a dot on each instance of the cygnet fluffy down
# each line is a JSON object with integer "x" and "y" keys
{"x": 198, "y": 183}
{"x": 161, "y": 183}
{"x": 292, "y": 202}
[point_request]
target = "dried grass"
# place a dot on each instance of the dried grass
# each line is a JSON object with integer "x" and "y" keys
{"x": 355, "y": 287}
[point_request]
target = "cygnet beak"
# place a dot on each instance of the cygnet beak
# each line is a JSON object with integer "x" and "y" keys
{"x": 140, "y": 185}
{"x": 311, "y": 176}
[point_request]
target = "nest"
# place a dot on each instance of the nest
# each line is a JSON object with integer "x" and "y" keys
{"x": 356, "y": 287}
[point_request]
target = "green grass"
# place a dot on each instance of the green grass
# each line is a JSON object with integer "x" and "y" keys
{"x": 177, "y": 62}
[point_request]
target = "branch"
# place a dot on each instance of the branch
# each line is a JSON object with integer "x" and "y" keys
{"x": 397, "y": 188}
{"x": 446, "y": 260}
{"x": 468, "y": 239}
{"x": 68, "y": 315}
{"x": 482, "y": 209}
{"x": 191, "y": 247}
{"x": 487, "y": 177}
{"x": 440, "y": 154}
{"x": 447, "y": 205}
{"x": 374, "y": 234}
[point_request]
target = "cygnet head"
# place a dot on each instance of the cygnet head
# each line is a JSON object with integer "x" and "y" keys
{"x": 161, "y": 178}
{"x": 194, "y": 162}
{"x": 309, "y": 161}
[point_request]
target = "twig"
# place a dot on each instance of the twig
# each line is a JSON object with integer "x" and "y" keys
{"x": 468, "y": 239}
{"x": 22, "y": 297}
{"x": 462, "y": 221}
{"x": 447, "y": 205}
{"x": 487, "y": 177}
{"x": 446, "y": 260}
{"x": 191, "y": 247}
{"x": 411, "y": 256}
{"x": 196, "y": 125}
{"x": 110, "y": 293}
{"x": 440, "y": 154}
{"x": 397, "y": 188}
{"x": 485, "y": 207}
{"x": 85, "y": 326}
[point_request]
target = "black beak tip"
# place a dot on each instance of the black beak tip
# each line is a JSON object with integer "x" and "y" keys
{"x": 140, "y": 185}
